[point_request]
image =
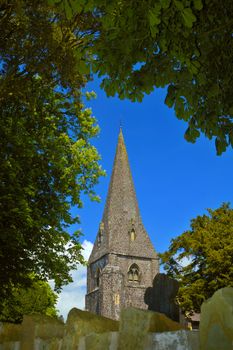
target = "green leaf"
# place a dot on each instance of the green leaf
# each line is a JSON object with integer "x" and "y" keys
{"x": 154, "y": 31}
{"x": 231, "y": 138}
{"x": 191, "y": 134}
{"x": 189, "y": 17}
{"x": 68, "y": 9}
{"x": 193, "y": 67}
{"x": 163, "y": 44}
{"x": 171, "y": 95}
{"x": 214, "y": 90}
{"x": 179, "y": 5}
{"x": 221, "y": 145}
{"x": 83, "y": 67}
{"x": 53, "y": 2}
{"x": 198, "y": 4}
{"x": 154, "y": 15}
{"x": 165, "y": 3}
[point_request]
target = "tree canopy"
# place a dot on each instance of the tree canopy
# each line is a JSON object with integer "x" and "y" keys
{"x": 184, "y": 45}
{"x": 38, "y": 298}
{"x": 201, "y": 259}
{"x": 47, "y": 160}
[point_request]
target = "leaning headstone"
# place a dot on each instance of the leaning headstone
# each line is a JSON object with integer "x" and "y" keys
{"x": 81, "y": 323}
{"x": 161, "y": 297}
{"x": 216, "y": 324}
{"x": 135, "y": 324}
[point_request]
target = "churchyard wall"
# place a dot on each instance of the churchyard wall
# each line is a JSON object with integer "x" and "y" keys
{"x": 137, "y": 329}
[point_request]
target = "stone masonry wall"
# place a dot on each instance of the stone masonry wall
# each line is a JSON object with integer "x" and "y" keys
{"x": 137, "y": 329}
{"x": 92, "y": 302}
{"x": 115, "y": 291}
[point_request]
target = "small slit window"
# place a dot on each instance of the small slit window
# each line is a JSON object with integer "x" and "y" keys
{"x": 132, "y": 235}
{"x": 100, "y": 234}
{"x": 97, "y": 277}
{"x": 132, "y": 231}
{"x": 133, "y": 273}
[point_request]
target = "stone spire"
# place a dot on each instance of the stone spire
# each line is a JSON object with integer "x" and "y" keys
{"x": 121, "y": 230}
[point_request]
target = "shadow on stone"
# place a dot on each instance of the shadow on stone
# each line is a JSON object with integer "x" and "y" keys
{"x": 161, "y": 297}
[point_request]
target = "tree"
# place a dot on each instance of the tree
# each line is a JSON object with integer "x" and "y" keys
{"x": 38, "y": 298}
{"x": 184, "y": 45}
{"x": 47, "y": 160}
{"x": 201, "y": 258}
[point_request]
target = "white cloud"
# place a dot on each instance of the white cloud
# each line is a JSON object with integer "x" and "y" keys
{"x": 185, "y": 261}
{"x": 73, "y": 295}
{"x": 87, "y": 248}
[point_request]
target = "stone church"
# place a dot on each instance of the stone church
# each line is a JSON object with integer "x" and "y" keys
{"x": 123, "y": 262}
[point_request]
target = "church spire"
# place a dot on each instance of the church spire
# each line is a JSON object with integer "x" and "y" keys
{"x": 121, "y": 200}
{"x": 123, "y": 262}
{"x": 121, "y": 230}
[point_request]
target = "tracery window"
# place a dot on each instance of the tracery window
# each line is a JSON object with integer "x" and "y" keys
{"x": 133, "y": 273}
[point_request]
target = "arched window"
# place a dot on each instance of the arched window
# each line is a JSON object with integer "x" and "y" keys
{"x": 133, "y": 273}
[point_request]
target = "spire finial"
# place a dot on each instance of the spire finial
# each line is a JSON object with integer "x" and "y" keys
{"x": 121, "y": 124}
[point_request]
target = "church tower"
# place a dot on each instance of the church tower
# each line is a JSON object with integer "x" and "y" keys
{"x": 123, "y": 261}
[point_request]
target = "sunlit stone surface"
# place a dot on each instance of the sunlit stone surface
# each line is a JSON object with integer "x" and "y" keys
{"x": 216, "y": 325}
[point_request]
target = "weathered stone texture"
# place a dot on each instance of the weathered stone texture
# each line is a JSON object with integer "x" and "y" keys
{"x": 112, "y": 292}
{"x": 10, "y": 332}
{"x": 86, "y": 331}
{"x": 96, "y": 341}
{"x": 178, "y": 340}
{"x": 121, "y": 242}
{"x": 81, "y": 323}
{"x": 92, "y": 302}
{"x": 216, "y": 323}
{"x": 42, "y": 328}
{"x": 135, "y": 324}
{"x": 36, "y": 332}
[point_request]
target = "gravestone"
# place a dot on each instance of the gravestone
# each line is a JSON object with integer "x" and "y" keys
{"x": 137, "y": 324}
{"x": 161, "y": 297}
{"x": 81, "y": 323}
{"x": 216, "y": 324}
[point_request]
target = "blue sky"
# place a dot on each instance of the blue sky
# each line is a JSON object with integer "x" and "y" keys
{"x": 175, "y": 180}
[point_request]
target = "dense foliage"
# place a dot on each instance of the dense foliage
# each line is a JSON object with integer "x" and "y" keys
{"x": 201, "y": 259}
{"x": 47, "y": 160}
{"x": 37, "y": 299}
{"x": 186, "y": 45}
